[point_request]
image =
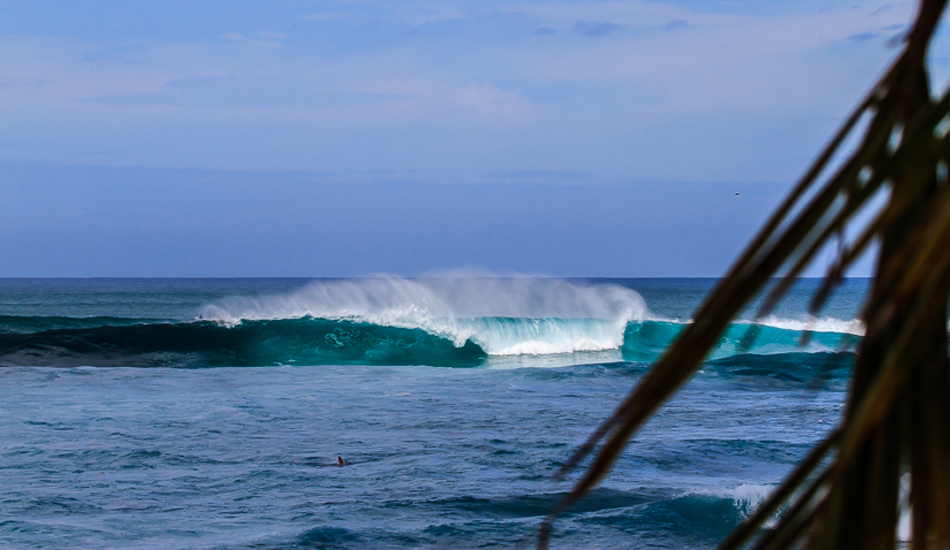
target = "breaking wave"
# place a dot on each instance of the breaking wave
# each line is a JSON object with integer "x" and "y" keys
{"x": 393, "y": 321}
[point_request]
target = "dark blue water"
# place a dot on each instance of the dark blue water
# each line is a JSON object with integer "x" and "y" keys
{"x": 210, "y": 413}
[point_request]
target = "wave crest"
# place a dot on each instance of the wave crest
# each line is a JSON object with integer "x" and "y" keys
{"x": 504, "y": 316}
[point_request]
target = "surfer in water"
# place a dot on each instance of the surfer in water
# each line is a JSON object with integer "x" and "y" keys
{"x": 340, "y": 461}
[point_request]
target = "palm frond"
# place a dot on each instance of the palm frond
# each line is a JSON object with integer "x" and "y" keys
{"x": 897, "y": 421}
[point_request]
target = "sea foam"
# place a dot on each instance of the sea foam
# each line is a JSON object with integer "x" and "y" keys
{"x": 814, "y": 324}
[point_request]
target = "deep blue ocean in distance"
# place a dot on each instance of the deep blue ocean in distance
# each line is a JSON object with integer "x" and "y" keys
{"x": 210, "y": 413}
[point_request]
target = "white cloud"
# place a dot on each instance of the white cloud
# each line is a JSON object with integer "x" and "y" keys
{"x": 233, "y": 36}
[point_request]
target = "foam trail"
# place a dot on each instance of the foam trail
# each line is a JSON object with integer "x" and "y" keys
{"x": 814, "y": 324}
{"x": 505, "y": 316}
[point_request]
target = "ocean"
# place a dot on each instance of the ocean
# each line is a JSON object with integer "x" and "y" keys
{"x": 213, "y": 413}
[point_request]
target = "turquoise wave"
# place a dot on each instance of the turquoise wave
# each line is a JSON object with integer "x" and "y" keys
{"x": 671, "y": 519}
{"x": 646, "y": 341}
{"x": 250, "y": 343}
{"x": 109, "y": 341}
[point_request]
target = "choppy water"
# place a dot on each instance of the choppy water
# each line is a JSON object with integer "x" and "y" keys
{"x": 210, "y": 413}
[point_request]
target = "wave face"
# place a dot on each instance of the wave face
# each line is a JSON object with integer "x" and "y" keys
{"x": 646, "y": 341}
{"x": 252, "y": 343}
{"x": 452, "y": 321}
{"x": 312, "y": 341}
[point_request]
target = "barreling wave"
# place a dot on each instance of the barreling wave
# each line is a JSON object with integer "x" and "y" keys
{"x": 313, "y": 341}
{"x": 304, "y": 341}
{"x": 392, "y": 321}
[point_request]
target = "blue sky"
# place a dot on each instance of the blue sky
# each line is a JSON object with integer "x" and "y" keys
{"x": 246, "y": 113}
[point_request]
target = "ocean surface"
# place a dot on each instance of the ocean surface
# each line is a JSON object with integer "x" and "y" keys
{"x": 210, "y": 413}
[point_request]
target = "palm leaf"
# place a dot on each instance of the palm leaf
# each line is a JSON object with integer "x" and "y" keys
{"x": 897, "y": 421}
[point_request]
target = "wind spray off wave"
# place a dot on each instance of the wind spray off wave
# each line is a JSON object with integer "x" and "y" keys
{"x": 503, "y": 316}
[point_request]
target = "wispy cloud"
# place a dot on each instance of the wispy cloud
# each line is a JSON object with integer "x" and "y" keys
{"x": 24, "y": 82}
{"x": 595, "y": 28}
{"x": 675, "y": 24}
{"x": 882, "y": 8}
{"x": 230, "y": 92}
{"x": 863, "y": 37}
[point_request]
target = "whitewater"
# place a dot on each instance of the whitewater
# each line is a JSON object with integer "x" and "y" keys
{"x": 209, "y": 413}
{"x": 512, "y": 316}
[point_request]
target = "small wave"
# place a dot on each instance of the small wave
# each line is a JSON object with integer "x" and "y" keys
{"x": 784, "y": 369}
{"x": 25, "y": 324}
{"x": 685, "y": 521}
{"x": 745, "y": 497}
{"x": 535, "y": 505}
{"x": 326, "y": 537}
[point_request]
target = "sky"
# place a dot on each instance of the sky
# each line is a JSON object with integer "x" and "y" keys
{"x": 341, "y": 138}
